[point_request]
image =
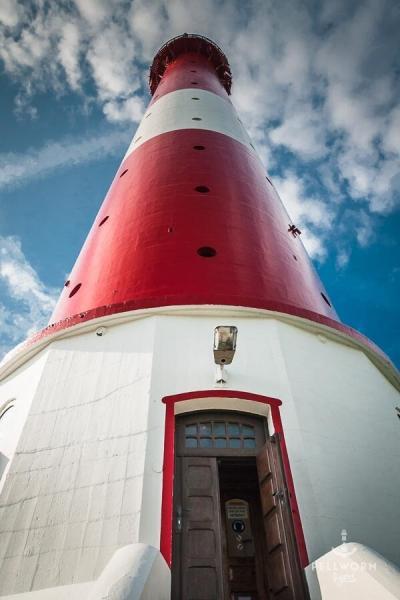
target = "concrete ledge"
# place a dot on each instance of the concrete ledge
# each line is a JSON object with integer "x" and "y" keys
{"x": 135, "y": 572}
{"x": 351, "y": 572}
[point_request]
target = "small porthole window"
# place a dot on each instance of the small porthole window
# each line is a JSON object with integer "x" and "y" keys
{"x": 103, "y": 221}
{"x": 326, "y": 299}
{"x": 199, "y": 147}
{"x": 195, "y": 98}
{"x": 194, "y": 82}
{"x": 202, "y": 189}
{"x": 76, "y": 289}
{"x": 206, "y": 252}
{"x": 196, "y": 119}
{"x": 193, "y": 71}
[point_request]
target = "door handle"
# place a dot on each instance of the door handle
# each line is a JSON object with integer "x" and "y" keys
{"x": 279, "y": 494}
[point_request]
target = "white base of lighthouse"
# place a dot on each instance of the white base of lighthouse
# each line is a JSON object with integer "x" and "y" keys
{"x": 88, "y": 475}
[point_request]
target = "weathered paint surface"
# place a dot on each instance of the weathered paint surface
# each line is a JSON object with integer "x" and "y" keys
{"x": 87, "y": 476}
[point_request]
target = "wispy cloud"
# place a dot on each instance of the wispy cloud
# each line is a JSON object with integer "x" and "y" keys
{"x": 16, "y": 169}
{"x": 320, "y": 87}
{"x": 26, "y": 301}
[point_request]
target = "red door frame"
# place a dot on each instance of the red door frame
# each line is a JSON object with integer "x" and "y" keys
{"x": 169, "y": 460}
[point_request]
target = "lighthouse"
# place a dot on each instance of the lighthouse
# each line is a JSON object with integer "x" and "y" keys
{"x": 195, "y": 422}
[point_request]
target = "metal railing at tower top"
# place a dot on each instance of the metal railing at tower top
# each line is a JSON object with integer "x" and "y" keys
{"x": 190, "y": 42}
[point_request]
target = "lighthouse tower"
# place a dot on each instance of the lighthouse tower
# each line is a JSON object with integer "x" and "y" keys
{"x": 195, "y": 417}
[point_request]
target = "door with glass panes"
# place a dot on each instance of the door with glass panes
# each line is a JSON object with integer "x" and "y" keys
{"x": 232, "y": 535}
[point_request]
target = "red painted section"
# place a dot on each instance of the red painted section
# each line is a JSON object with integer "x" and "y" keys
{"x": 168, "y": 472}
{"x": 168, "y": 484}
{"x": 157, "y": 221}
{"x": 179, "y": 75}
{"x": 298, "y": 528}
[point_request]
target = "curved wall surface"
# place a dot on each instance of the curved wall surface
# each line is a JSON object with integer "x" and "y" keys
{"x": 191, "y": 217}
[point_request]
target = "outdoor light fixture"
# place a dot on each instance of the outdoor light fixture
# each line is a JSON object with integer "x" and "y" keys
{"x": 224, "y": 349}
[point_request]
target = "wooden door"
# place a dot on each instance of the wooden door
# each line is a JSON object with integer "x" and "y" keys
{"x": 197, "y": 572}
{"x": 284, "y": 573}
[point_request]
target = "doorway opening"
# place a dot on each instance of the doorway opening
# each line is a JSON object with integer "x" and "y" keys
{"x": 233, "y": 536}
{"x": 243, "y": 550}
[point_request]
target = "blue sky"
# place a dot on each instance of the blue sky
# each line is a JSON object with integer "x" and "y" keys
{"x": 315, "y": 83}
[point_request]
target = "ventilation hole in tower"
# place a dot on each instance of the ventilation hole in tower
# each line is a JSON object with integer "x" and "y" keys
{"x": 206, "y": 252}
{"x": 326, "y": 299}
{"x": 195, "y": 98}
{"x": 194, "y": 82}
{"x": 66, "y": 284}
{"x": 103, "y": 221}
{"x": 199, "y": 147}
{"x": 203, "y": 189}
{"x": 123, "y": 173}
{"x": 193, "y": 71}
{"x": 76, "y": 289}
{"x": 295, "y": 257}
{"x": 197, "y": 119}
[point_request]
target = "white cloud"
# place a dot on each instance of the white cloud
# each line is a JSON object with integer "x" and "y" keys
{"x": 10, "y": 12}
{"x": 16, "y": 169}
{"x": 131, "y": 109}
{"x": 342, "y": 258}
{"x": 69, "y": 51}
{"x": 112, "y": 63}
{"x": 95, "y": 11}
{"x": 301, "y": 133}
{"x": 310, "y": 214}
{"x": 27, "y": 301}
{"x": 319, "y": 85}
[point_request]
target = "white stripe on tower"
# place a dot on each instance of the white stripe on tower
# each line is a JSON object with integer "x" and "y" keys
{"x": 190, "y": 109}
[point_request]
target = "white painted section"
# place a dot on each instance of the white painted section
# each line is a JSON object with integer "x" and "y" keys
{"x": 176, "y": 111}
{"x": 135, "y": 572}
{"x": 76, "y": 591}
{"x": 353, "y": 571}
{"x": 88, "y": 478}
{"x": 19, "y": 392}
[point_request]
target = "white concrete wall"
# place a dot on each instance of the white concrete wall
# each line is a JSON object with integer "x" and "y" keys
{"x": 74, "y": 493}
{"x": 20, "y": 390}
{"x": 87, "y": 478}
{"x": 344, "y": 440}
